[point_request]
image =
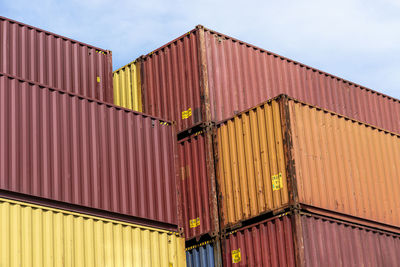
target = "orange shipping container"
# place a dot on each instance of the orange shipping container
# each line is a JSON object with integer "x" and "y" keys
{"x": 286, "y": 153}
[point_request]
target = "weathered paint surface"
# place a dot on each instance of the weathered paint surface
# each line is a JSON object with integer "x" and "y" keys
{"x": 326, "y": 242}
{"x": 268, "y": 244}
{"x": 171, "y": 84}
{"x": 336, "y": 163}
{"x": 63, "y": 147}
{"x": 241, "y": 76}
{"x": 208, "y": 76}
{"x": 127, "y": 86}
{"x": 345, "y": 166}
{"x": 202, "y": 256}
{"x": 35, "y": 236}
{"x": 251, "y": 170}
{"x": 55, "y": 61}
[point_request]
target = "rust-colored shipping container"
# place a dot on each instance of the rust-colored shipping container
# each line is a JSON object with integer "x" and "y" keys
{"x": 305, "y": 239}
{"x": 197, "y": 173}
{"x": 207, "y": 76}
{"x": 55, "y": 61}
{"x": 59, "y": 146}
{"x": 286, "y": 153}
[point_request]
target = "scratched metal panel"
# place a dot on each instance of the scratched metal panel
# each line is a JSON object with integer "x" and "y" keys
{"x": 63, "y": 147}
{"x": 241, "y": 76}
{"x": 171, "y": 83}
{"x": 36, "y": 236}
{"x": 250, "y": 159}
{"x": 55, "y": 61}
{"x": 200, "y": 211}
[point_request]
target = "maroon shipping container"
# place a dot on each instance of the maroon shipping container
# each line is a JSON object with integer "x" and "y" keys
{"x": 59, "y": 146}
{"x": 55, "y": 61}
{"x": 207, "y": 76}
{"x": 199, "y": 197}
{"x": 301, "y": 239}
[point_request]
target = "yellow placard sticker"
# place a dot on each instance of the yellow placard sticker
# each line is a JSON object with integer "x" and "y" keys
{"x": 194, "y": 222}
{"x": 98, "y": 79}
{"x": 277, "y": 182}
{"x": 186, "y": 114}
{"x": 236, "y": 256}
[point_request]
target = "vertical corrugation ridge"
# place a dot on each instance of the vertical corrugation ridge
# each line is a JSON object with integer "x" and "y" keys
{"x": 38, "y": 236}
{"x": 35, "y": 55}
{"x": 345, "y": 166}
{"x": 66, "y": 148}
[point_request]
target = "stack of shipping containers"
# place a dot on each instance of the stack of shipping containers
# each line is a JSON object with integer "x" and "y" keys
{"x": 258, "y": 177}
{"x": 82, "y": 182}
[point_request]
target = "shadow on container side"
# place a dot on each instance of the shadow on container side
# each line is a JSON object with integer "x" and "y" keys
{"x": 204, "y": 254}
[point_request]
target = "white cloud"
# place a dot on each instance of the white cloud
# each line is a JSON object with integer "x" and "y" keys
{"x": 355, "y": 39}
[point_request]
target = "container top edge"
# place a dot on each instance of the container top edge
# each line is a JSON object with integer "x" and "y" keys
{"x": 86, "y": 216}
{"x": 54, "y": 34}
{"x": 87, "y": 98}
{"x": 289, "y": 98}
{"x": 301, "y": 64}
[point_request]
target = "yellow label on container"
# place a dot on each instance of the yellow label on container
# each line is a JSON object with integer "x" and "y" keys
{"x": 194, "y": 222}
{"x": 277, "y": 182}
{"x": 186, "y": 114}
{"x": 98, "y": 79}
{"x": 236, "y": 256}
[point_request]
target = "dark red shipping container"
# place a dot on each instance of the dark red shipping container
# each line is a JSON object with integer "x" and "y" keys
{"x": 55, "y": 61}
{"x": 199, "y": 197}
{"x": 303, "y": 239}
{"x": 63, "y": 147}
{"x": 207, "y": 76}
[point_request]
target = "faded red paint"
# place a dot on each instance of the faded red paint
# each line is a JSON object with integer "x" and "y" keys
{"x": 63, "y": 147}
{"x": 233, "y": 76}
{"x": 171, "y": 84}
{"x": 55, "y": 61}
{"x": 196, "y": 183}
{"x": 323, "y": 242}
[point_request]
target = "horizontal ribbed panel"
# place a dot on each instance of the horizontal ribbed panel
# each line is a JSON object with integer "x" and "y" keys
{"x": 34, "y": 236}
{"x": 55, "y": 61}
{"x": 63, "y": 147}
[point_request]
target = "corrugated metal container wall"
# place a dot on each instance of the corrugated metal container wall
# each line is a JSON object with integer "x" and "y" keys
{"x": 199, "y": 213}
{"x": 334, "y": 243}
{"x": 324, "y": 242}
{"x": 55, "y": 61}
{"x": 127, "y": 86}
{"x": 171, "y": 82}
{"x": 250, "y": 152}
{"x": 268, "y": 244}
{"x": 202, "y": 256}
{"x": 331, "y": 162}
{"x": 241, "y": 76}
{"x": 35, "y": 236}
{"x": 62, "y": 147}
{"x": 345, "y": 166}
{"x": 223, "y": 76}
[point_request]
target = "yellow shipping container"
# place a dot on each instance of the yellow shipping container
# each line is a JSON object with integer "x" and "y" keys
{"x": 127, "y": 86}
{"x": 285, "y": 152}
{"x": 37, "y": 236}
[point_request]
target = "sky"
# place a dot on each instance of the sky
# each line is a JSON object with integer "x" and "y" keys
{"x": 358, "y": 40}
